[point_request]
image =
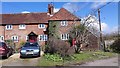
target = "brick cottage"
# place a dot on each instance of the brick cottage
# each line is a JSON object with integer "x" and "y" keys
{"x": 16, "y": 27}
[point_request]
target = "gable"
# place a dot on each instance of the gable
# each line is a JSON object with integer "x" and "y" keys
{"x": 64, "y": 14}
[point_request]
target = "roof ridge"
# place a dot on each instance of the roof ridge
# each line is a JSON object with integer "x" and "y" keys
{"x": 22, "y": 13}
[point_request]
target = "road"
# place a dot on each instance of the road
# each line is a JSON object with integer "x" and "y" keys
{"x": 104, "y": 62}
{"x": 14, "y": 60}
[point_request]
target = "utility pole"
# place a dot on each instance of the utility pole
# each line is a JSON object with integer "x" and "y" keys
{"x": 101, "y": 39}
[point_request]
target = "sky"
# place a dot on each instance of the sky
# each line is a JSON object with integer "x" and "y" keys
{"x": 109, "y": 13}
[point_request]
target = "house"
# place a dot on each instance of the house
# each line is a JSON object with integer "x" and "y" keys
{"x": 16, "y": 27}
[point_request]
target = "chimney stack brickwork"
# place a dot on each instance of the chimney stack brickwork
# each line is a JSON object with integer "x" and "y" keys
{"x": 50, "y": 9}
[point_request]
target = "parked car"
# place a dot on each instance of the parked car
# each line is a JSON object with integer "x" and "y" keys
{"x": 30, "y": 50}
{"x": 5, "y": 50}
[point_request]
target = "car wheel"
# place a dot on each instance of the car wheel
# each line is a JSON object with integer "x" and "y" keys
{"x": 39, "y": 54}
{"x": 12, "y": 53}
{"x": 7, "y": 56}
{"x": 21, "y": 56}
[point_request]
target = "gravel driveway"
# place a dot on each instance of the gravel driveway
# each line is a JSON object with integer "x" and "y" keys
{"x": 14, "y": 60}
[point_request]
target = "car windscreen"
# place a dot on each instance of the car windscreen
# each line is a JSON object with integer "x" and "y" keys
{"x": 1, "y": 43}
{"x": 31, "y": 45}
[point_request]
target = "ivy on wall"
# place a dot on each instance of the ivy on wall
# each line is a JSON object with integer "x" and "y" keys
{"x": 54, "y": 29}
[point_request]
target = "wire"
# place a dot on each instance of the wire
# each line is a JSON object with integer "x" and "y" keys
{"x": 102, "y": 6}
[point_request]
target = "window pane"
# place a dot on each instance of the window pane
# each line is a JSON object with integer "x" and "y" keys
{"x": 7, "y": 26}
{"x": 42, "y": 25}
{"x": 12, "y": 38}
{"x": 10, "y": 26}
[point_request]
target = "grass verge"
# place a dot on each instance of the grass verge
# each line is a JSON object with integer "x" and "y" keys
{"x": 76, "y": 59}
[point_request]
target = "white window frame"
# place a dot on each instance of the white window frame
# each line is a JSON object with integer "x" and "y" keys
{"x": 9, "y": 27}
{"x": 41, "y": 25}
{"x": 43, "y": 37}
{"x": 15, "y": 38}
{"x": 64, "y": 36}
{"x": 27, "y": 38}
{"x": 64, "y": 23}
{"x": 22, "y": 26}
{"x": 1, "y": 38}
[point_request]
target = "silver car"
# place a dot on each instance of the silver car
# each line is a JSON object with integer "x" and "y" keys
{"x": 30, "y": 50}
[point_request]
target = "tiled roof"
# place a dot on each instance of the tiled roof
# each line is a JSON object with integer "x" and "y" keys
{"x": 32, "y": 18}
{"x": 25, "y": 18}
{"x": 64, "y": 14}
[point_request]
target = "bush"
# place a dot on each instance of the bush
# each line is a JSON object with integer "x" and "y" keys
{"x": 54, "y": 57}
{"x": 9, "y": 42}
{"x": 116, "y": 46}
{"x": 19, "y": 46}
{"x": 56, "y": 46}
{"x": 22, "y": 43}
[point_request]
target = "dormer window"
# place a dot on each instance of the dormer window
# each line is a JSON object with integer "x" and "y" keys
{"x": 22, "y": 26}
{"x": 41, "y": 26}
{"x": 8, "y": 27}
{"x": 64, "y": 23}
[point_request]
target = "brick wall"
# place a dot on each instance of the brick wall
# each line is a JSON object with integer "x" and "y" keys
{"x": 71, "y": 24}
{"x": 22, "y": 33}
{"x": 1, "y": 30}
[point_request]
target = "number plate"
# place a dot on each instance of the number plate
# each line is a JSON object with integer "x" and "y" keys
{"x": 29, "y": 52}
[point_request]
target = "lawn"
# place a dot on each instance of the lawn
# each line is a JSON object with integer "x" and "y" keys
{"x": 76, "y": 59}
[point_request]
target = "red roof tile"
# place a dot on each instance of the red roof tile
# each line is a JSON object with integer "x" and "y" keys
{"x": 63, "y": 14}
{"x": 25, "y": 18}
{"x": 32, "y": 18}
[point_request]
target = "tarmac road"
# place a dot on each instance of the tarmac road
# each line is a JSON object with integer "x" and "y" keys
{"x": 104, "y": 62}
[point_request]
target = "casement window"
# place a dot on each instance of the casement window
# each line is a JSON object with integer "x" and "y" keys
{"x": 14, "y": 38}
{"x": 64, "y": 23}
{"x": 43, "y": 37}
{"x": 64, "y": 36}
{"x": 9, "y": 27}
{"x": 2, "y": 38}
{"x": 22, "y": 26}
{"x": 41, "y": 25}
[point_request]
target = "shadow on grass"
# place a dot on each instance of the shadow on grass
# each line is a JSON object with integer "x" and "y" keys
{"x": 29, "y": 57}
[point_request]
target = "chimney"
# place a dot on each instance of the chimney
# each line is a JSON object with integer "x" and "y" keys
{"x": 50, "y": 9}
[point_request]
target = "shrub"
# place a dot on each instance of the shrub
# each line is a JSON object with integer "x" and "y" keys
{"x": 54, "y": 57}
{"x": 22, "y": 43}
{"x": 116, "y": 46}
{"x": 56, "y": 46}
{"x": 9, "y": 42}
{"x": 19, "y": 46}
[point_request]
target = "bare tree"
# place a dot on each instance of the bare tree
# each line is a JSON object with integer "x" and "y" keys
{"x": 82, "y": 32}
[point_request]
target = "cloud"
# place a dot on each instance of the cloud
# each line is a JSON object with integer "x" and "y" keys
{"x": 104, "y": 26}
{"x": 100, "y": 3}
{"x": 56, "y": 9}
{"x": 113, "y": 29}
{"x": 72, "y": 7}
{"x": 96, "y": 5}
{"x": 25, "y": 12}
